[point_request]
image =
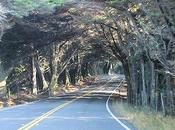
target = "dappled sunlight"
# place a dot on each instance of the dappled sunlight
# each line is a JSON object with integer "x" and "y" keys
{"x": 64, "y": 62}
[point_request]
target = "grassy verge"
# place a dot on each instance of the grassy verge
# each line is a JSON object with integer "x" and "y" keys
{"x": 144, "y": 119}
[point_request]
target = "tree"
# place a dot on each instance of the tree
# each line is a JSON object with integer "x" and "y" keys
{"x": 3, "y": 74}
{"x": 3, "y": 19}
{"x": 134, "y": 33}
{"x": 85, "y": 37}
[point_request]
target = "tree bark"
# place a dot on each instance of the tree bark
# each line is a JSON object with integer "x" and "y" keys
{"x": 79, "y": 74}
{"x": 127, "y": 76}
{"x": 168, "y": 95}
{"x": 34, "y": 80}
{"x": 144, "y": 93}
{"x": 153, "y": 86}
{"x": 133, "y": 82}
{"x": 162, "y": 102}
{"x": 54, "y": 69}
{"x": 3, "y": 78}
{"x": 66, "y": 77}
{"x": 41, "y": 75}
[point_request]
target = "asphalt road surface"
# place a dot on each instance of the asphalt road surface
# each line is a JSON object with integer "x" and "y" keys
{"x": 82, "y": 110}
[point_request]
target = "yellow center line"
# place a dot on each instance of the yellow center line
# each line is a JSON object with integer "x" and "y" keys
{"x": 49, "y": 113}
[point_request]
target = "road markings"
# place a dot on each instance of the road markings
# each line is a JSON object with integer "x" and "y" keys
{"x": 110, "y": 112}
{"x": 49, "y": 113}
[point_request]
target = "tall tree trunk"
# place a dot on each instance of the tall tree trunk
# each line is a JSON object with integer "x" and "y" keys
{"x": 54, "y": 69}
{"x": 41, "y": 75}
{"x": 157, "y": 92}
{"x": 144, "y": 93}
{"x": 127, "y": 76}
{"x": 162, "y": 102}
{"x": 79, "y": 74}
{"x": 133, "y": 82}
{"x": 168, "y": 95}
{"x": 153, "y": 86}
{"x": 34, "y": 80}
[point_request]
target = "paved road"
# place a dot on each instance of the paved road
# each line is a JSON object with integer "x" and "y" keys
{"x": 83, "y": 110}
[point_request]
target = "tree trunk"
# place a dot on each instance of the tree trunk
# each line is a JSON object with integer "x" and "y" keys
{"x": 144, "y": 93}
{"x": 3, "y": 77}
{"x": 54, "y": 69}
{"x": 79, "y": 74}
{"x": 162, "y": 102}
{"x": 127, "y": 76}
{"x": 66, "y": 78}
{"x": 41, "y": 75}
{"x": 18, "y": 91}
{"x": 157, "y": 92}
{"x": 34, "y": 80}
{"x": 133, "y": 82}
{"x": 168, "y": 95}
{"x": 153, "y": 86}
{"x": 3, "y": 86}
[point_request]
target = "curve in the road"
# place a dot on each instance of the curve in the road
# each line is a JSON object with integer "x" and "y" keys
{"x": 110, "y": 112}
{"x": 49, "y": 113}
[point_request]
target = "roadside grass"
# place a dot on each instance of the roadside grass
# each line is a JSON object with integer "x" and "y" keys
{"x": 144, "y": 119}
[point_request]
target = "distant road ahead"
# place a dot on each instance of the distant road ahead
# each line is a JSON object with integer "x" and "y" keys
{"x": 83, "y": 110}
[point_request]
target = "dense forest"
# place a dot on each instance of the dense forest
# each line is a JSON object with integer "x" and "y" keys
{"x": 46, "y": 43}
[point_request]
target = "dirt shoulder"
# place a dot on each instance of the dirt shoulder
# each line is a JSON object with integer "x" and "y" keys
{"x": 61, "y": 90}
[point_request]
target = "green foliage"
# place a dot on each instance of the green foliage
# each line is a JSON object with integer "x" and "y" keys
{"x": 17, "y": 71}
{"x": 3, "y": 12}
{"x": 116, "y": 1}
{"x": 72, "y": 10}
{"x": 23, "y": 7}
{"x": 57, "y": 2}
{"x": 18, "y": 77}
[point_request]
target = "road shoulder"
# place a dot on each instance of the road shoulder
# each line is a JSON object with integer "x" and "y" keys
{"x": 123, "y": 119}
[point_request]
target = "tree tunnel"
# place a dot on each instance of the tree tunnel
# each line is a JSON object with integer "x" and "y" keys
{"x": 84, "y": 38}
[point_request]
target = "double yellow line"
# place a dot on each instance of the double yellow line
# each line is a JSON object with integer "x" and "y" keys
{"x": 47, "y": 114}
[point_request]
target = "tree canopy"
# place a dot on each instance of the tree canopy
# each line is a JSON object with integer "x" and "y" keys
{"x": 57, "y": 41}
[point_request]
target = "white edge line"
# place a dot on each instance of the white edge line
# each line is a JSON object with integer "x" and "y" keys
{"x": 110, "y": 112}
